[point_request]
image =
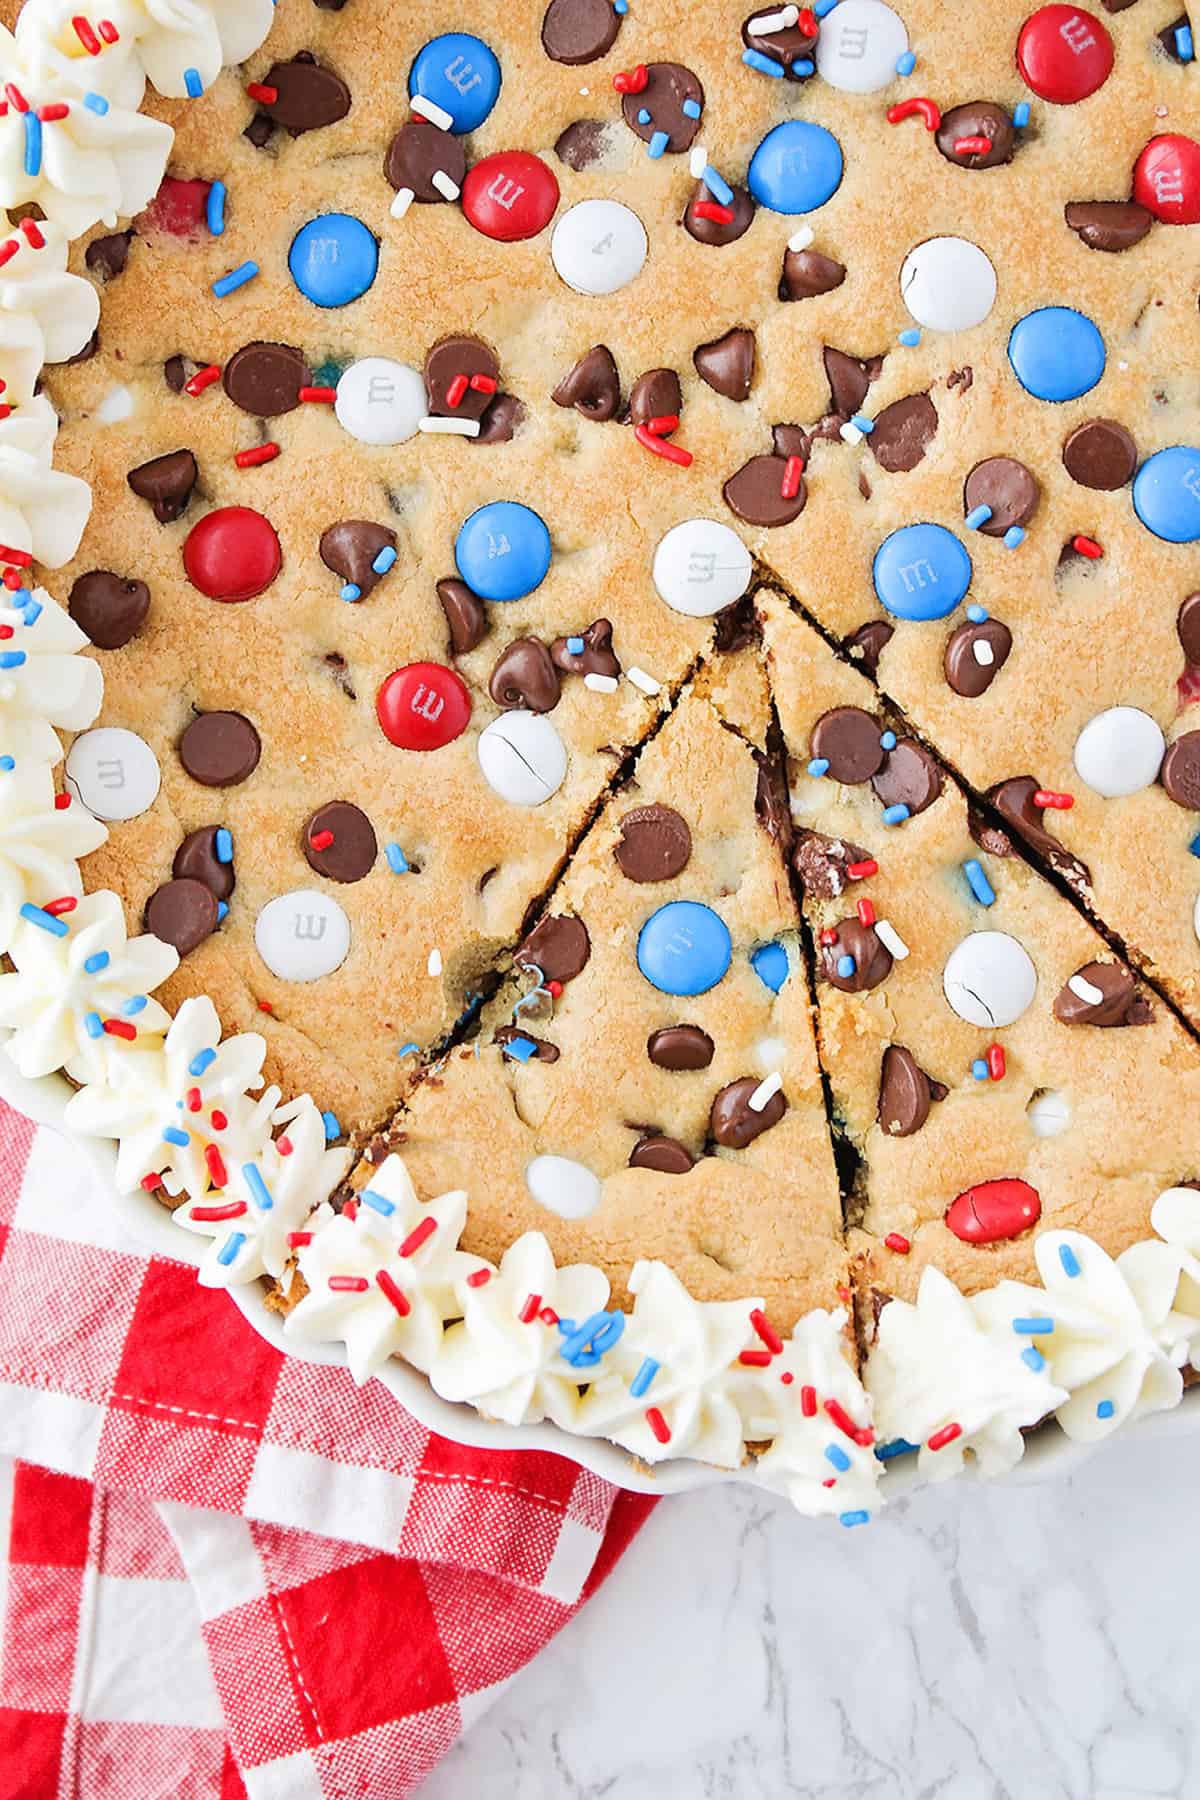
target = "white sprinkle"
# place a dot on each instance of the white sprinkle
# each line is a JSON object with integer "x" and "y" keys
{"x": 983, "y": 653}
{"x": 646, "y": 683}
{"x": 402, "y": 202}
{"x": 449, "y": 190}
{"x": 766, "y": 23}
{"x": 1085, "y": 990}
{"x": 434, "y": 965}
{"x": 449, "y": 427}
{"x": 891, "y": 940}
{"x": 800, "y": 240}
{"x": 698, "y": 161}
{"x": 766, "y": 1090}
{"x": 850, "y": 434}
{"x": 429, "y": 109}
{"x": 601, "y": 684}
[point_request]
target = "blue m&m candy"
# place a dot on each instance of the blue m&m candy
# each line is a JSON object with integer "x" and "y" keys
{"x": 503, "y": 551}
{"x": 333, "y": 259}
{"x": 460, "y": 74}
{"x": 921, "y": 572}
{"x": 796, "y": 168}
{"x": 1166, "y": 494}
{"x": 1056, "y": 353}
{"x": 684, "y": 948}
{"x": 770, "y": 964}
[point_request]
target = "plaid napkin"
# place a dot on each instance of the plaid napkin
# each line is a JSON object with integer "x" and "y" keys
{"x": 231, "y": 1572}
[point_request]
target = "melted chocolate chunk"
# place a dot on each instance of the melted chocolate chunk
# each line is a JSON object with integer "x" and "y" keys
{"x": 559, "y": 947}
{"x": 1100, "y": 453}
{"x": 166, "y": 482}
{"x": 734, "y": 1123}
{"x": 525, "y": 676}
{"x": 975, "y": 654}
{"x": 452, "y": 368}
{"x": 791, "y": 47}
{"x": 1180, "y": 771}
{"x": 592, "y": 387}
{"x": 196, "y": 860}
{"x": 417, "y": 153}
{"x": 1008, "y": 487}
{"x": 1013, "y": 800}
{"x": 596, "y": 657}
{"x": 791, "y": 440}
{"x": 106, "y": 256}
{"x": 978, "y": 120}
{"x": 655, "y": 395}
{"x": 807, "y": 273}
{"x": 542, "y": 1050}
{"x": 736, "y": 626}
{"x": 859, "y": 944}
{"x": 175, "y": 373}
{"x": 903, "y": 432}
{"x": 501, "y": 420}
{"x": 465, "y": 614}
{"x": 727, "y": 363}
{"x": 821, "y": 862}
{"x": 1102, "y": 993}
{"x": 110, "y": 609}
{"x": 989, "y": 837}
{"x": 259, "y": 131}
{"x": 679, "y": 1047}
{"x": 579, "y": 31}
{"x": 351, "y": 547}
{"x": 308, "y": 96}
{"x": 961, "y": 378}
{"x": 730, "y": 222}
{"x": 656, "y": 844}
{"x": 219, "y": 749}
{"x": 182, "y": 913}
{"x": 906, "y": 1092}
{"x": 1188, "y": 627}
{"x": 339, "y": 841}
{"x": 867, "y": 644}
{"x": 755, "y": 492}
{"x": 849, "y": 378}
{"x": 848, "y": 739}
{"x": 265, "y": 379}
{"x": 909, "y": 777}
{"x": 657, "y": 109}
{"x": 772, "y": 806}
{"x": 666, "y": 1154}
{"x": 1109, "y": 224}
{"x": 581, "y": 144}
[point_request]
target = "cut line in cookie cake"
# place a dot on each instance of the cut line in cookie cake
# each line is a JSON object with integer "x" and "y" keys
{"x": 599, "y": 617}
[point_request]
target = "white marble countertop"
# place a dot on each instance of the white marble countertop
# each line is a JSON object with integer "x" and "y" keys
{"x": 976, "y": 1642}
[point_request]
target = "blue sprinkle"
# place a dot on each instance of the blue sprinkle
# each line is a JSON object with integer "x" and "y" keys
{"x": 754, "y": 59}
{"x": 96, "y": 103}
{"x": 351, "y": 591}
{"x": 821, "y": 7}
{"x": 215, "y": 208}
{"x": 93, "y": 1025}
{"x": 978, "y": 883}
{"x": 837, "y": 1456}
{"x": 896, "y": 815}
{"x": 978, "y": 517}
{"x": 1021, "y": 115}
{"x": 230, "y": 1248}
{"x": 1069, "y": 1260}
{"x": 819, "y": 766}
{"x": 861, "y": 423}
{"x": 1184, "y": 47}
{"x": 1194, "y": 846}
{"x": 202, "y": 1060}
{"x": 224, "y": 845}
{"x": 621, "y": 7}
{"x": 45, "y": 921}
{"x": 222, "y": 911}
{"x": 1033, "y": 1359}
{"x": 135, "y": 1004}
{"x": 12, "y": 659}
{"x": 236, "y": 278}
{"x": 377, "y": 1202}
{"x": 408, "y": 1049}
{"x": 887, "y": 740}
{"x": 384, "y": 560}
{"x": 260, "y": 1193}
{"x": 332, "y": 1126}
{"x": 32, "y": 609}
{"x": 910, "y": 338}
{"x": 977, "y": 614}
{"x": 658, "y": 144}
{"x": 1013, "y": 537}
{"x": 566, "y": 1326}
{"x": 521, "y": 1049}
{"x": 397, "y": 862}
{"x": 193, "y": 83}
{"x": 33, "y": 143}
{"x": 576, "y": 646}
{"x": 94, "y": 964}
{"x": 173, "y": 1135}
{"x": 770, "y": 964}
{"x": 897, "y": 1447}
{"x": 906, "y": 64}
{"x": 846, "y": 966}
{"x": 804, "y": 65}
{"x": 583, "y": 1346}
{"x": 1105, "y": 1410}
{"x": 643, "y": 117}
{"x": 860, "y": 1517}
{"x": 979, "y": 1069}
{"x": 717, "y": 187}
{"x": 7, "y": 763}
{"x": 1038, "y": 1327}
{"x": 643, "y": 1378}
{"x": 691, "y": 109}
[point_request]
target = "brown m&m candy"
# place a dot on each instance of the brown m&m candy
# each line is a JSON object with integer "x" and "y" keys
{"x": 1102, "y": 993}
{"x": 712, "y": 221}
{"x": 525, "y": 676}
{"x": 339, "y": 841}
{"x": 1180, "y": 771}
{"x": 307, "y": 95}
{"x": 579, "y": 31}
{"x": 679, "y": 1047}
{"x": 662, "y": 103}
{"x": 978, "y": 135}
{"x": 461, "y": 378}
{"x": 975, "y": 655}
{"x": 265, "y": 379}
{"x": 744, "y": 1109}
{"x": 558, "y": 948}
{"x": 166, "y": 482}
{"x": 666, "y": 1154}
{"x": 592, "y": 387}
{"x": 182, "y": 913}
{"x": 854, "y": 957}
{"x": 848, "y": 741}
{"x": 351, "y": 547}
{"x": 1100, "y": 453}
{"x": 109, "y": 608}
{"x": 727, "y": 363}
{"x": 219, "y": 749}
{"x": 418, "y": 152}
{"x": 1112, "y": 225}
{"x": 903, "y": 432}
{"x": 198, "y": 859}
{"x": 656, "y": 844}
{"x": 910, "y": 777}
{"x": 1007, "y": 488}
{"x": 906, "y": 1092}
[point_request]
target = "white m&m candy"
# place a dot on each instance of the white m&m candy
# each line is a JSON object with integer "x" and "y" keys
{"x": 113, "y": 772}
{"x": 989, "y": 979}
{"x": 701, "y": 567}
{"x": 860, "y": 44}
{"x": 522, "y": 757}
{"x": 598, "y": 246}
{"x": 380, "y": 401}
{"x": 1119, "y": 752}
{"x": 948, "y": 283}
{"x": 302, "y": 935}
{"x": 563, "y": 1186}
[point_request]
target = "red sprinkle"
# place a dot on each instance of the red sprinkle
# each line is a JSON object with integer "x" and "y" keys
{"x": 192, "y": 1099}
{"x": 479, "y": 1279}
{"x": 905, "y": 109}
{"x": 829, "y": 935}
{"x": 298, "y": 1239}
{"x": 22, "y": 558}
{"x": 632, "y": 81}
{"x": 265, "y": 1006}
{"x": 50, "y": 114}
{"x": 766, "y": 1331}
{"x": 554, "y": 989}
{"x": 16, "y": 96}
{"x": 258, "y": 90}
{"x": 33, "y": 236}
{"x": 658, "y": 1425}
{"x": 320, "y": 840}
{"x": 1046, "y": 797}
{"x": 219, "y": 1121}
{"x": 755, "y": 1359}
{"x": 866, "y": 912}
{"x": 484, "y": 384}
{"x": 419, "y": 1235}
{"x": 787, "y": 1378}
{"x": 212, "y": 1214}
{"x": 86, "y": 35}
{"x": 829, "y": 1481}
{"x": 283, "y": 1144}
{"x": 808, "y": 1401}
{"x": 121, "y": 1028}
{"x": 201, "y": 379}
{"x": 842, "y": 1419}
{"x": 712, "y": 209}
{"x": 972, "y": 146}
{"x": 321, "y": 396}
{"x": 61, "y": 803}
{"x": 261, "y": 453}
{"x": 945, "y": 1436}
{"x": 663, "y": 424}
{"x": 348, "y": 1284}
{"x": 529, "y": 1311}
{"x": 548, "y": 1316}
{"x": 350, "y": 1210}
{"x": 151, "y": 1182}
{"x": 808, "y": 22}
{"x": 456, "y": 393}
{"x": 896, "y": 1240}
{"x": 387, "y": 1284}
{"x": 108, "y": 31}
{"x": 56, "y": 908}
{"x": 996, "y": 1063}
{"x": 8, "y": 249}
{"x": 215, "y": 1164}
{"x": 1086, "y": 546}
{"x": 649, "y": 440}
{"x": 793, "y": 469}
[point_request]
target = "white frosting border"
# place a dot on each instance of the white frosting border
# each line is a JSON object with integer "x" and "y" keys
{"x": 1102, "y": 1341}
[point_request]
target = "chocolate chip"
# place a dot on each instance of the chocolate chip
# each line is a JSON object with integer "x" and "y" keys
{"x": 727, "y": 363}
{"x": 734, "y": 1122}
{"x": 579, "y": 31}
{"x": 1013, "y": 800}
{"x": 451, "y": 368}
{"x": 756, "y": 492}
{"x": 351, "y": 849}
{"x": 175, "y": 373}
{"x": 807, "y": 273}
{"x": 961, "y": 378}
{"x": 871, "y": 958}
{"x": 1188, "y": 627}
{"x": 1180, "y": 772}
{"x": 351, "y": 548}
{"x": 559, "y": 947}
{"x": 790, "y": 47}
{"x": 504, "y": 414}
{"x": 106, "y": 256}
{"x": 108, "y": 608}
{"x": 989, "y": 837}
{"x": 977, "y": 119}
{"x": 680, "y": 1047}
{"x": 1102, "y": 993}
{"x": 259, "y": 131}
{"x": 909, "y": 777}
{"x": 849, "y": 740}
{"x": 593, "y": 386}
{"x": 219, "y": 749}
{"x": 167, "y": 482}
{"x": 666, "y": 1154}
{"x": 464, "y": 612}
{"x": 867, "y": 644}
{"x": 596, "y": 657}
{"x": 736, "y": 626}
{"x": 905, "y": 1092}
{"x": 975, "y": 655}
{"x": 525, "y": 676}
{"x": 309, "y": 96}
{"x": 581, "y": 144}
{"x": 903, "y": 432}
{"x": 721, "y": 230}
{"x": 337, "y": 663}
{"x": 1169, "y": 39}
{"x": 182, "y": 913}
{"x": 772, "y": 806}
{"x": 417, "y": 153}
{"x": 196, "y": 860}
{"x": 655, "y": 395}
{"x": 265, "y": 379}
{"x": 657, "y": 109}
{"x": 1100, "y": 453}
{"x": 1008, "y": 487}
{"x": 656, "y": 844}
{"x": 791, "y": 440}
{"x": 821, "y": 862}
{"x": 849, "y": 379}
{"x": 1109, "y": 224}
{"x": 542, "y": 1050}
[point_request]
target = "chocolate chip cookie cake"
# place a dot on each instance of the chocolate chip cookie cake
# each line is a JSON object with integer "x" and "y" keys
{"x": 601, "y": 608}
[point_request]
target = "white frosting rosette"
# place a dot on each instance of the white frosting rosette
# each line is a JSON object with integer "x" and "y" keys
{"x": 42, "y": 511}
{"x": 40, "y": 302}
{"x": 162, "y": 39}
{"x": 1165, "y": 1276}
{"x": 39, "y": 843}
{"x": 805, "y": 1402}
{"x": 44, "y": 682}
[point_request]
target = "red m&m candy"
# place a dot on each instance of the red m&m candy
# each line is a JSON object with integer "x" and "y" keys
{"x": 509, "y": 196}
{"x": 1166, "y": 179}
{"x": 179, "y": 208}
{"x": 1064, "y": 54}
{"x": 423, "y": 706}
{"x": 993, "y": 1210}
{"x": 232, "y": 554}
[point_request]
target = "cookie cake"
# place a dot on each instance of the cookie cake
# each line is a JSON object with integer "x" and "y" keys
{"x": 600, "y": 614}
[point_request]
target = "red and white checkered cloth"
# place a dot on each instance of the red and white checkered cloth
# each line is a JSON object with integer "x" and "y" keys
{"x": 230, "y": 1572}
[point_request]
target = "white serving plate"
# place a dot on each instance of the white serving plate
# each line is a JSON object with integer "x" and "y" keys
{"x": 1049, "y": 1453}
